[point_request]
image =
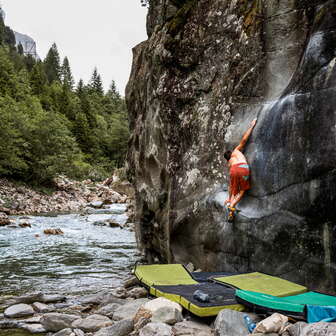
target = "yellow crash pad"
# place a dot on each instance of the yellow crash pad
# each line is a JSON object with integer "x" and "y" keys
{"x": 163, "y": 275}
{"x": 263, "y": 283}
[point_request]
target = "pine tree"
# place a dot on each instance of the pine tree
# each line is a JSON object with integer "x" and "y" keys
{"x": 38, "y": 79}
{"x": 66, "y": 75}
{"x": 96, "y": 84}
{"x": 2, "y": 30}
{"x": 20, "y": 49}
{"x": 80, "y": 88}
{"x": 113, "y": 92}
{"x": 52, "y": 64}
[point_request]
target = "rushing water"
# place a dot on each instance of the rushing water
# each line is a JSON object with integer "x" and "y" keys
{"x": 87, "y": 258}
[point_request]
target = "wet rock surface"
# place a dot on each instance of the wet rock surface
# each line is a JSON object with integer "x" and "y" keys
{"x": 207, "y": 69}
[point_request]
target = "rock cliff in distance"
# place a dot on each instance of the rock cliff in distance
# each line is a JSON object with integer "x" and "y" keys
{"x": 207, "y": 69}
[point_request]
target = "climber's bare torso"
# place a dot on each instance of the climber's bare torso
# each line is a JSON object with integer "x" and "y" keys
{"x": 237, "y": 157}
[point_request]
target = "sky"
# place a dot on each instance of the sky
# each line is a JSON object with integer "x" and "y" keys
{"x": 91, "y": 34}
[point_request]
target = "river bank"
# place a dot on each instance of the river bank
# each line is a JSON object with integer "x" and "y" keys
{"x": 67, "y": 196}
{"x": 128, "y": 311}
{"x": 84, "y": 246}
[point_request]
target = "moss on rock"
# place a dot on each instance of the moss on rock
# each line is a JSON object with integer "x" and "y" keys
{"x": 181, "y": 16}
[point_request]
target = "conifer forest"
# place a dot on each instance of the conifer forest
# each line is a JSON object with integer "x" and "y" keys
{"x": 51, "y": 125}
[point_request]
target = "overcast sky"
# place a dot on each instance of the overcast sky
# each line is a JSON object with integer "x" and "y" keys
{"x": 98, "y": 33}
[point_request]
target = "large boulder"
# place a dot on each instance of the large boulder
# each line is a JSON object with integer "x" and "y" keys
{"x": 209, "y": 68}
{"x": 92, "y": 323}
{"x": 161, "y": 302}
{"x": 128, "y": 310}
{"x": 19, "y": 310}
{"x": 231, "y": 322}
{"x": 57, "y": 321}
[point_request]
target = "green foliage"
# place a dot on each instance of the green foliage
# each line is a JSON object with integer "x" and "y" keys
{"x": 96, "y": 85}
{"x": 52, "y": 64}
{"x": 66, "y": 75}
{"x": 20, "y": 49}
{"x": 48, "y": 128}
{"x": 7, "y": 36}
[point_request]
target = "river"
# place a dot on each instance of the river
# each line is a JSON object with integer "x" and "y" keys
{"x": 85, "y": 259}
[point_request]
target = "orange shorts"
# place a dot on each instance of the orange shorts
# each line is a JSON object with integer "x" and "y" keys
{"x": 239, "y": 178}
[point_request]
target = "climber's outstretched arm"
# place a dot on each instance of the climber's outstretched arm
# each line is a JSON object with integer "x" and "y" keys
{"x": 246, "y": 136}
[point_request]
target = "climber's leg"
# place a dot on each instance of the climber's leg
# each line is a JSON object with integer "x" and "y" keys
{"x": 237, "y": 198}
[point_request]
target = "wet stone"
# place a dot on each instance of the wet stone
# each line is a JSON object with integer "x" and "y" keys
{"x": 129, "y": 310}
{"x": 130, "y": 282}
{"x": 19, "y": 310}
{"x": 109, "y": 309}
{"x": 41, "y": 307}
{"x": 64, "y": 332}
{"x": 156, "y": 329}
{"x": 121, "y": 328}
{"x": 34, "y": 328}
{"x": 57, "y": 321}
{"x": 92, "y": 323}
{"x": 52, "y": 298}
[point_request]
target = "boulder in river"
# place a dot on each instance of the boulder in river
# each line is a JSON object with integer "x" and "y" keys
{"x": 53, "y": 232}
{"x": 25, "y": 225}
{"x": 99, "y": 223}
{"x": 19, "y": 310}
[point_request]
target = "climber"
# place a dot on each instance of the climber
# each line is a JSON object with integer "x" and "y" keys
{"x": 239, "y": 171}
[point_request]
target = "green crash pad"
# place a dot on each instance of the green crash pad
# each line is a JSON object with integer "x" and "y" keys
{"x": 262, "y": 283}
{"x": 293, "y": 305}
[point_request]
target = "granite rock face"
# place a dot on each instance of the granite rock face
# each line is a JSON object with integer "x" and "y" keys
{"x": 207, "y": 69}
